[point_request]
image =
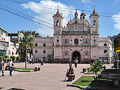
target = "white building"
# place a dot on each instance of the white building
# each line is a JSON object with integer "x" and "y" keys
{"x": 79, "y": 39}
{"x": 6, "y": 46}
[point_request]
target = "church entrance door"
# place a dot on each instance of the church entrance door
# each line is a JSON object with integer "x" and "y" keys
{"x": 75, "y": 55}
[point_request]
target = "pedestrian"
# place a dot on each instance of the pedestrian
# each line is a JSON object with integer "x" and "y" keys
{"x": 30, "y": 61}
{"x": 2, "y": 67}
{"x": 11, "y": 66}
{"x": 76, "y": 61}
{"x": 37, "y": 61}
{"x": 41, "y": 61}
{"x": 33, "y": 61}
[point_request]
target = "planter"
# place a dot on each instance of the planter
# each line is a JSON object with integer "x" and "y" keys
{"x": 38, "y": 68}
{"x": 35, "y": 69}
{"x": 84, "y": 70}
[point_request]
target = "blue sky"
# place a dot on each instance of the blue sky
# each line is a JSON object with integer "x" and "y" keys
{"x": 41, "y": 11}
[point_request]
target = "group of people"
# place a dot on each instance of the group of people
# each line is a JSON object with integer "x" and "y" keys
{"x": 2, "y": 66}
{"x": 32, "y": 61}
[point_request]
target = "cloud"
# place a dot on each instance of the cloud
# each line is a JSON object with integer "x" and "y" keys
{"x": 45, "y": 9}
{"x": 116, "y": 1}
{"x": 116, "y": 19}
{"x": 85, "y": 0}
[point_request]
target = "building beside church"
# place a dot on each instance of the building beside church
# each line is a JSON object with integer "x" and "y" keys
{"x": 79, "y": 39}
{"x": 6, "y": 46}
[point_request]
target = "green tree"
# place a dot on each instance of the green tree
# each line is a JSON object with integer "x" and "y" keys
{"x": 116, "y": 56}
{"x": 18, "y": 58}
{"x": 1, "y": 57}
{"x": 25, "y": 44}
{"x": 96, "y": 66}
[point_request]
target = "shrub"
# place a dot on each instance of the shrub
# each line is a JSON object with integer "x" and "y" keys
{"x": 18, "y": 58}
{"x": 96, "y": 66}
{"x": 6, "y": 56}
{"x": 116, "y": 56}
{"x": 13, "y": 57}
{"x": 1, "y": 57}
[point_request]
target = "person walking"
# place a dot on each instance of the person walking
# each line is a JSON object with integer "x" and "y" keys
{"x": 2, "y": 67}
{"x": 11, "y": 66}
{"x": 30, "y": 60}
{"x": 33, "y": 61}
{"x": 76, "y": 61}
{"x": 41, "y": 61}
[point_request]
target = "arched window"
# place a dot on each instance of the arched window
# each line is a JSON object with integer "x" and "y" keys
{"x": 57, "y": 40}
{"x": 94, "y": 22}
{"x": 35, "y": 51}
{"x": 105, "y": 44}
{"x": 57, "y": 23}
{"x": 36, "y": 44}
{"x": 76, "y": 41}
{"x": 105, "y": 51}
{"x": 44, "y": 51}
{"x": 44, "y": 44}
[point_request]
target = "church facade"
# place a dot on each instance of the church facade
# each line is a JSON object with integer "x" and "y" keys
{"x": 79, "y": 39}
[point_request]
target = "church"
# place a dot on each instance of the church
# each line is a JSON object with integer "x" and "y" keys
{"x": 79, "y": 39}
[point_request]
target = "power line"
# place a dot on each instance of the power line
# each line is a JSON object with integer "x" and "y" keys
{"x": 51, "y": 7}
{"x": 25, "y": 14}
{"x": 20, "y": 14}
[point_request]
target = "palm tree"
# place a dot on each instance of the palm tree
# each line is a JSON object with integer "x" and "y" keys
{"x": 25, "y": 44}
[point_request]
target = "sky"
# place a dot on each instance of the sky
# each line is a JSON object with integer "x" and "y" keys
{"x": 37, "y": 15}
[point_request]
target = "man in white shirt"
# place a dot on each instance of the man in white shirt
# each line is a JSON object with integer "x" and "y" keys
{"x": 76, "y": 61}
{"x": 11, "y": 66}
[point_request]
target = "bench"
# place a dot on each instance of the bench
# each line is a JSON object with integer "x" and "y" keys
{"x": 71, "y": 77}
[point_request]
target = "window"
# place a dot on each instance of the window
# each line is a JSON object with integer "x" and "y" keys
{"x": 76, "y": 41}
{"x": 57, "y": 40}
{"x": 57, "y": 23}
{"x": 105, "y": 44}
{"x": 76, "y": 28}
{"x": 66, "y": 53}
{"x": 66, "y": 41}
{"x": 76, "y": 22}
{"x": 44, "y": 44}
{"x": 86, "y": 41}
{"x": 94, "y": 22}
{"x": 86, "y": 53}
{"x": 35, "y": 51}
{"x": 105, "y": 51}
{"x": 1, "y": 32}
{"x": 44, "y": 51}
{"x": 36, "y": 44}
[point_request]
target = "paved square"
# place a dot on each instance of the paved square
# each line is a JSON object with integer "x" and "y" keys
{"x": 50, "y": 77}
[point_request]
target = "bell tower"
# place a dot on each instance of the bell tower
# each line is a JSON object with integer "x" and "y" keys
{"x": 57, "y": 22}
{"x": 94, "y": 18}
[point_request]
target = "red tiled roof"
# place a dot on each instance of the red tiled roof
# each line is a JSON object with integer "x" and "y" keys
{"x": 94, "y": 12}
{"x": 58, "y": 12}
{"x": 82, "y": 14}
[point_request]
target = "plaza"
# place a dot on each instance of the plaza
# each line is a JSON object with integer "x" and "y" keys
{"x": 50, "y": 77}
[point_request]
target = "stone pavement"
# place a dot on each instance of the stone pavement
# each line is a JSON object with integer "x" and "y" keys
{"x": 50, "y": 77}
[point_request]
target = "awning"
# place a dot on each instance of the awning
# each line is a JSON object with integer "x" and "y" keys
{"x": 117, "y": 50}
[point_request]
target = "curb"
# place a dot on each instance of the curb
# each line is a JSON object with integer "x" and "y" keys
{"x": 91, "y": 88}
{"x": 25, "y": 70}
